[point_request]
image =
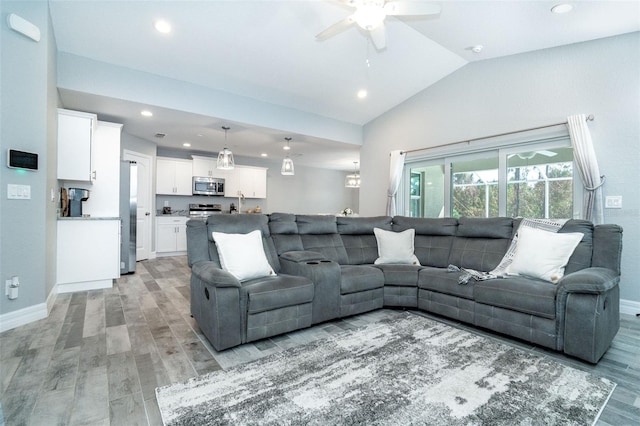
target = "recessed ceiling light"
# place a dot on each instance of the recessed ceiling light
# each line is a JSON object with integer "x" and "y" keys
{"x": 477, "y": 48}
{"x": 199, "y": 135}
{"x": 162, "y": 26}
{"x": 286, "y": 147}
{"x": 562, "y": 8}
{"x": 264, "y": 154}
{"x": 362, "y": 94}
{"x": 187, "y": 144}
{"x": 146, "y": 113}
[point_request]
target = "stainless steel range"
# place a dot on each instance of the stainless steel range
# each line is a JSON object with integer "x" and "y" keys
{"x": 204, "y": 210}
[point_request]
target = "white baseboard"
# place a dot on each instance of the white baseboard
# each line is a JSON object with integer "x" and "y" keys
{"x": 23, "y": 316}
{"x": 51, "y": 298}
{"x": 629, "y": 307}
{"x": 84, "y": 286}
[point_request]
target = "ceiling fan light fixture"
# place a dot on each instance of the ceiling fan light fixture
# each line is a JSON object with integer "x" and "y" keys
{"x": 225, "y": 157}
{"x": 562, "y": 8}
{"x": 369, "y": 16}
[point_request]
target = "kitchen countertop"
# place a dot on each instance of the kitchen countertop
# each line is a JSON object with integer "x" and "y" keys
{"x": 88, "y": 218}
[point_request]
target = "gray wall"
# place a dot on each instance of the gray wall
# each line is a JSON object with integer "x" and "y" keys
{"x": 27, "y": 227}
{"x": 600, "y": 77}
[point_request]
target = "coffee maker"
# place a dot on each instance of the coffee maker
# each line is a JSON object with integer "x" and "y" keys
{"x": 76, "y": 197}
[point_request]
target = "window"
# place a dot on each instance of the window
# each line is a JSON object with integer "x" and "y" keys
{"x": 529, "y": 180}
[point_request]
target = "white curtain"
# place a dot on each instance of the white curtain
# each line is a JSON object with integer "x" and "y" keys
{"x": 587, "y": 163}
{"x": 396, "y": 164}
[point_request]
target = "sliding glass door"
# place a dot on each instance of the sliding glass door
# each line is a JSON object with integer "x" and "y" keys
{"x": 536, "y": 181}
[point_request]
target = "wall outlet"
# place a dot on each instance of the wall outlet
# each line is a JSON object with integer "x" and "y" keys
{"x": 613, "y": 202}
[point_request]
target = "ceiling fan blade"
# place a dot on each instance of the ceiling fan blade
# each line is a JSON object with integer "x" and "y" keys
{"x": 379, "y": 36}
{"x": 336, "y": 28}
{"x": 400, "y": 7}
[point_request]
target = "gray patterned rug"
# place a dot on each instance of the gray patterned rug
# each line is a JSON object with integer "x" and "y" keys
{"x": 410, "y": 370}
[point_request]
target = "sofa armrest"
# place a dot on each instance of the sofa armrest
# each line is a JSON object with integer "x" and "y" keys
{"x": 589, "y": 280}
{"x": 211, "y": 274}
{"x": 588, "y": 312}
{"x": 302, "y": 256}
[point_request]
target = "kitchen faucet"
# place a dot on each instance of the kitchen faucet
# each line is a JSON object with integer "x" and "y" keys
{"x": 240, "y": 198}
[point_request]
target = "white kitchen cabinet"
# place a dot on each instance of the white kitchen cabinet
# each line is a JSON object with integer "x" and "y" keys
{"x": 207, "y": 167}
{"x": 75, "y": 137}
{"x": 88, "y": 254}
{"x": 173, "y": 176}
{"x": 104, "y": 195}
{"x": 251, "y": 181}
{"x": 171, "y": 235}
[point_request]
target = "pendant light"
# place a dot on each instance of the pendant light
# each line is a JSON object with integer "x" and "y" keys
{"x": 287, "y": 164}
{"x": 353, "y": 181}
{"x": 225, "y": 157}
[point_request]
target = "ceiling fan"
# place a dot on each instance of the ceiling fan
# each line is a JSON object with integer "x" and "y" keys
{"x": 529, "y": 155}
{"x": 370, "y": 15}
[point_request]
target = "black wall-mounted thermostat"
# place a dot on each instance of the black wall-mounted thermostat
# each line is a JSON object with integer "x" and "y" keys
{"x": 22, "y": 160}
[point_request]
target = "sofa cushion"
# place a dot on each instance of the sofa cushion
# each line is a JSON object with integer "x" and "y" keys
{"x": 362, "y": 225}
{"x": 243, "y": 255}
{"x": 316, "y": 224}
{"x": 481, "y": 254}
{"x": 526, "y": 295}
{"x": 361, "y": 249}
{"x": 543, "y": 254}
{"x": 581, "y": 257}
{"x": 442, "y": 281}
{"x": 329, "y": 245}
{"x": 493, "y": 227}
{"x": 426, "y": 226}
{"x": 357, "y": 278}
{"x": 264, "y": 294}
{"x": 283, "y": 223}
{"x": 400, "y": 275}
{"x": 395, "y": 247}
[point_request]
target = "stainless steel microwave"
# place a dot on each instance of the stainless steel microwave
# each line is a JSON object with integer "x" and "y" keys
{"x": 208, "y": 186}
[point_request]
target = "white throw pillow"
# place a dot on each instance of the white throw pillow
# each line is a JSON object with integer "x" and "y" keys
{"x": 395, "y": 247}
{"x": 543, "y": 254}
{"x": 242, "y": 255}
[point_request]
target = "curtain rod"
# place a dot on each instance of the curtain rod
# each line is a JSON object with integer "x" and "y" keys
{"x": 590, "y": 117}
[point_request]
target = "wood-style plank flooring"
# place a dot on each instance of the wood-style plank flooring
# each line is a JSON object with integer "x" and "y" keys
{"x": 98, "y": 357}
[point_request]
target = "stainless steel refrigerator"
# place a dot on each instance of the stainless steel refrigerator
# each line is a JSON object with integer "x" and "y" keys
{"x": 128, "y": 215}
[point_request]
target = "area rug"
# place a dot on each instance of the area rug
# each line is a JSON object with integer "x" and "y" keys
{"x": 402, "y": 371}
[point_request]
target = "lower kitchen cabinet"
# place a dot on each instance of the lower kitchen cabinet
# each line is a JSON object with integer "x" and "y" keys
{"x": 171, "y": 235}
{"x": 88, "y": 254}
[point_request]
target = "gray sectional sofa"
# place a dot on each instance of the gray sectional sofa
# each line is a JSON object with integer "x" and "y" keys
{"x": 325, "y": 270}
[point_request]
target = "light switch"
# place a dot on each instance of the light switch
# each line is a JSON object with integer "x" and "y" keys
{"x": 613, "y": 202}
{"x": 18, "y": 192}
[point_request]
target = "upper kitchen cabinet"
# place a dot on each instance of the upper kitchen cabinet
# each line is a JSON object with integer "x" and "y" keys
{"x": 250, "y": 181}
{"x": 104, "y": 196}
{"x": 173, "y": 176}
{"x": 207, "y": 167}
{"x": 75, "y": 139}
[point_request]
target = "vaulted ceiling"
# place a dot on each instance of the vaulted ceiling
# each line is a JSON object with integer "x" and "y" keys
{"x": 266, "y": 52}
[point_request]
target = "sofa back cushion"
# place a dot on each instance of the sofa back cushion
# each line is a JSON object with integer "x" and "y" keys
{"x": 358, "y": 238}
{"x": 319, "y": 233}
{"x": 284, "y": 232}
{"x": 433, "y": 239}
{"x": 481, "y": 243}
{"x": 581, "y": 257}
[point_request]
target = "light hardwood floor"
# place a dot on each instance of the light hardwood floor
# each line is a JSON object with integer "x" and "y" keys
{"x": 98, "y": 357}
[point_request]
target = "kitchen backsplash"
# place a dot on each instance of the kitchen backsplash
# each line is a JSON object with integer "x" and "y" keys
{"x": 181, "y": 203}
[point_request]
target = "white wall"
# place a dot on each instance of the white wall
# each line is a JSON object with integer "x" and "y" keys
{"x": 600, "y": 77}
